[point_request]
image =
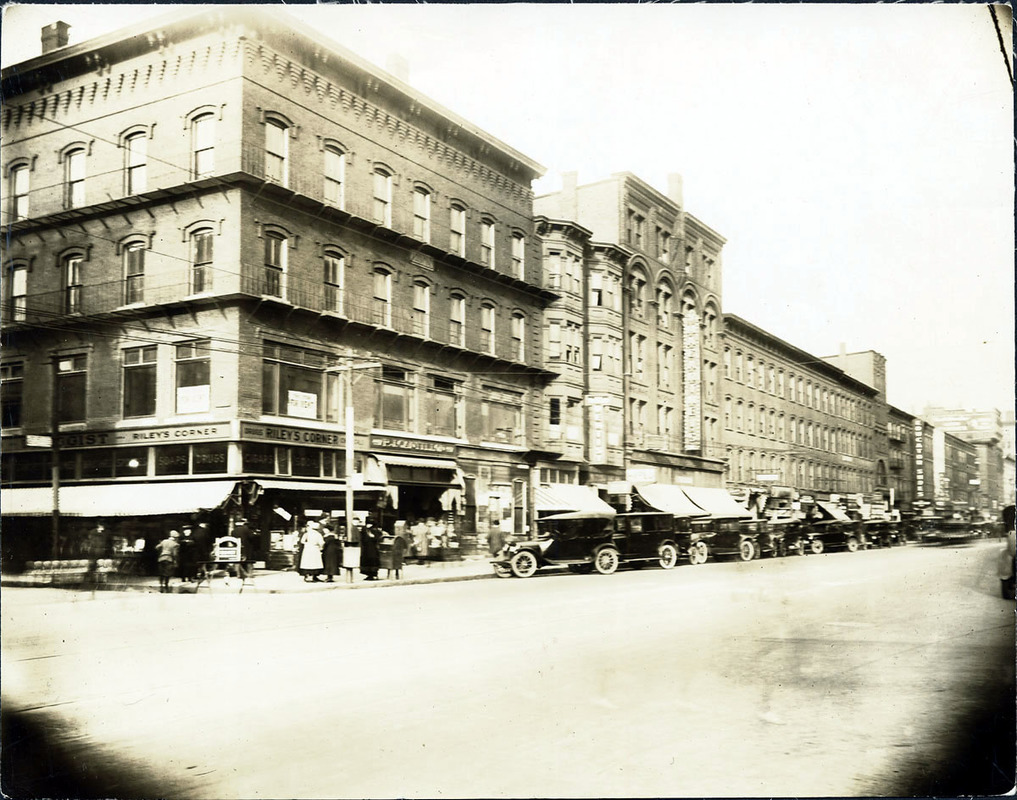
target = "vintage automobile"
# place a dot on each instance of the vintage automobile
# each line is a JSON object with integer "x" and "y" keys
{"x": 941, "y": 531}
{"x": 831, "y": 534}
{"x": 781, "y": 537}
{"x": 715, "y": 536}
{"x": 586, "y": 541}
{"x": 883, "y": 533}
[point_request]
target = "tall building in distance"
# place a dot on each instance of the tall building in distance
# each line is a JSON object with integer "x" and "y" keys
{"x": 984, "y": 429}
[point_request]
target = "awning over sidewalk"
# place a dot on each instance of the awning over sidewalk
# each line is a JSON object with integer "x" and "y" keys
{"x": 560, "y": 497}
{"x": 669, "y": 498}
{"x": 717, "y": 502}
{"x": 118, "y": 500}
{"x": 832, "y": 511}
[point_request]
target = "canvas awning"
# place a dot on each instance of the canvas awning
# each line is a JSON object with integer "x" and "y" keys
{"x": 560, "y": 497}
{"x": 833, "y": 511}
{"x": 118, "y": 500}
{"x": 716, "y": 502}
{"x": 669, "y": 498}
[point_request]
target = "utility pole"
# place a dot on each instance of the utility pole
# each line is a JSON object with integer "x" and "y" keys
{"x": 55, "y": 455}
{"x": 346, "y": 370}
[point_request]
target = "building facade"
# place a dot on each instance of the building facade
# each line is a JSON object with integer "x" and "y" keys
{"x": 223, "y": 235}
{"x": 900, "y": 434}
{"x": 985, "y": 430}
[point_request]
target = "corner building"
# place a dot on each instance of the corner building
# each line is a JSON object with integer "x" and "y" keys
{"x": 207, "y": 217}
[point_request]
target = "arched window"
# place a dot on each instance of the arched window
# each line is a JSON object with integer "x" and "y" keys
{"x": 487, "y": 331}
{"x": 335, "y": 176}
{"x": 73, "y": 281}
{"x": 422, "y": 214}
{"x": 487, "y": 243}
{"x": 134, "y": 273}
{"x": 203, "y": 145}
{"x": 136, "y": 162}
{"x": 202, "y": 241}
{"x": 17, "y": 291}
{"x": 421, "y": 308}
{"x": 74, "y": 177}
{"x": 637, "y": 294}
{"x": 382, "y": 280}
{"x": 457, "y": 229}
{"x": 276, "y": 151}
{"x": 18, "y": 180}
{"x": 665, "y": 305}
{"x": 519, "y": 255}
{"x": 334, "y": 278}
{"x": 274, "y": 275}
{"x": 519, "y": 336}
{"x": 457, "y": 320}
{"x": 382, "y": 208}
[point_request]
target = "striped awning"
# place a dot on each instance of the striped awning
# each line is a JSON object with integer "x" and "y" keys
{"x": 559, "y": 497}
{"x": 669, "y": 498}
{"x": 118, "y": 500}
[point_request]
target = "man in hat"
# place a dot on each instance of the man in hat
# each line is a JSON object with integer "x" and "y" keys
{"x": 167, "y": 553}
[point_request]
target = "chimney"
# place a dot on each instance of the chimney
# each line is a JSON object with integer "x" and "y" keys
{"x": 570, "y": 195}
{"x": 55, "y": 36}
{"x": 398, "y": 66}
{"x": 676, "y": 188}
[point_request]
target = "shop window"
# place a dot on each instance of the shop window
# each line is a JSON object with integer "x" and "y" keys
{"x": 193, "y": 377}
{"x": 130, "y": 462}
{"x": 72, "y": 383}
{"x": 209, "y": 458}
{"x": 443, "y": 407}
{"x": 305, "y": 462}
{"x": 203, "y": 145}
{"x": 202, "y": 242}
{"x": 12, "y": 379}
{"x": 172, "y": 459}
{"x": 295, "y": 384}
{"x": 258, "y": 458}
{"x": 139, "y": 381}
{"x": 394, "y": 401}
{"x": 97, "y": 463}
{"x": 27, "y": 467}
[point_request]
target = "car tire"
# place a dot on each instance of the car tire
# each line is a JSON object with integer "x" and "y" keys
{"x": 852, "y": 544}
{"x": 816, "y": 546}
{"x": 606, "y": 560}
{"x": 523, "y": 564}
{"x": 746, "y": 550}
{"x": 667, "y": 555}
{"x": 702, "y": 552}
{"x": 502, "y": 571}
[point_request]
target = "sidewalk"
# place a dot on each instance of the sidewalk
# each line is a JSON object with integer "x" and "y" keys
{"x": 266, "y": 581}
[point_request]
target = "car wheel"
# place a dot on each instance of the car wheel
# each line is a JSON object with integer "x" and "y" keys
{"x": 702, "y": 552}
{"x": 746, "y": 550}
{"x": 852, "y": 544}
{"x": 606, "y": 561}
{"x": 667, "y": 555}
{"x": 816, "y": 546}
{"x": 502, "y": 571}
{"x": 523, "y": 564}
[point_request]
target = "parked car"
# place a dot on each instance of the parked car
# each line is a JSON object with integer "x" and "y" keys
{"x": 883, "y": 533}
{"x": 831, "y": 534}
{"x": 584, "y": 541}
{"x": 941, "y": 531}
{"x": 782, "y": 537}
{"x": 722, "y": 537}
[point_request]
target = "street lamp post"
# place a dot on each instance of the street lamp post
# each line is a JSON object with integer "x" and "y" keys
{"x": 346, "y": 370}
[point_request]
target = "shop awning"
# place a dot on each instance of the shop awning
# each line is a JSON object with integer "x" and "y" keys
{"x": 669, "y": 498}
{"x": 118, "y": 500}
{"x": 310, "y": 486}
{"x": 717, "y": 502}
{"x": 833, "y": 511}
{"x": 569, "y": 497}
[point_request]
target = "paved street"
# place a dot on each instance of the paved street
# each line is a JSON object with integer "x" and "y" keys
{"x": 843, "y": 674}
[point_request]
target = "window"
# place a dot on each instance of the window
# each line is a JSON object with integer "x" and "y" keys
{"x": 443, "y": 410}
{"x": 554, "y": 340}
{"x": 554, "y": 411}
{"x": 665, "y": 306}
{"x": 71, "y": 388}
{"x": 134, "y": 273}
{"x": 19, "y": 192}
{"x": 72, "y": 280}
{"x": 382, "y": 297}
{"x": 501, "y": 415}
{"x": 487, "y": 328}
{"x": 295, "y": 384}
{"x": 395, "y": 400}
{"x": 597, "y": 354}
{"x": 334, "y": 277}
{"x": 193, "y": 381}
{"x": 275, "y": 265}
{"x": 637, "y": 299}
{"x": 201, "y": 261}
{"x": 335, "y": 176}
{"x": 276, "y": 151}
{"x": 457, "y": 321}
{"x": 421, "y": 308}
{"x": 12, "y": 378}
{"x": 596, "y": 289}
{"x": 457, "y": 230}
{"x": 519, "y": 256}
{"x": 519, "y": 336}
{"x": 664, "y": 357}
{"x": 422, "y": 214}
{"x": 74, "y": 178}
{"x": 139, "y": 381}
{"x": 487, "y": 243}
{"x": 136, "y": 162}
{"x": 663, "y": 245}
{"x": 634, "y": 228}
{"x": 203, "y": 145}
{"x": 19, "y": 292}
{"x": 383, "y": 197}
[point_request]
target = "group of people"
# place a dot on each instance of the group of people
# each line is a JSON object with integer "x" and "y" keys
{"x": 325, "y": 551}
{"x": 177, "y": 555}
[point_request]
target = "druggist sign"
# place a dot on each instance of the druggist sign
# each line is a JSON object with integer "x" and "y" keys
{"x": 213, "y": 431}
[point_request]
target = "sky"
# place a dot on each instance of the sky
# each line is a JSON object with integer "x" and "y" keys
{"x": 857, "y": 158}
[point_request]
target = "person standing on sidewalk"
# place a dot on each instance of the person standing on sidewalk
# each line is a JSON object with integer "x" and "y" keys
{"x": 188, "y": 556}
{"x": 167, "y": 554}
{"x": 312, "y": 542}
{"x": 331, "y": 555}
{"x": 370, "y": 558}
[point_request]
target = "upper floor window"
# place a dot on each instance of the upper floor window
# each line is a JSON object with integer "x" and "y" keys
{"x": 72, "y": 382}
{"x": 457, "y": 230}
{"x": 295, "y": 383}
{"x": 335, "y": 176}
{"x": 663, "y": 245}
{"x": 134, "y": 273}
{"x": 136, "y": 162}
{"x": 19, "y": 182}
{"x": 519, "y": 256}
{"x": 203, "y": 145}
{"x": 12, "y": 378}
{"x": 444, "y": 407}
{"x": 276, "y": 151}
{"x": 274, "y": 278}
{"x": 457, "y": 321}
{"x": 501, "y": 415}
{"x": 73, "y": 284}
{"x": 421, "y": 308}
{"x": 394, "y": 410}
{"x": 382, "y": 297}
{"x": 519, "y": 336}
{"x": 422, "y": 214}
{"x": 383, "y": 197}
{"x": 487, "y": 243}
{"x": 665, "y": 306}
{"x": 201, "y": 261}
{"x": 487, "y": 328}
{"x": 634, "y": 225}
{"x": 637, "y": 297}
{"x": 193, "y": 376}
{"x": 335, "y": 276}
{"x": 18, "y": 292}
{"x": 74, "y": 178}
{"x": 139, "y": 381}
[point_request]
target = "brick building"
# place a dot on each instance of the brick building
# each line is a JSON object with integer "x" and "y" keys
{"x": 210, "y": 214}
{"x": 985, "y": 429}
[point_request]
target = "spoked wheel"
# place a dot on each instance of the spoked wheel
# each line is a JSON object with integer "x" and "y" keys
{"x": 746, "y": 550}
{"x": 523, "y": 564}
{"x": 816, "y": 546}
{"x": 606, "y": 561}
{"x": 852, "y": 544}
{"x": 502, "y": 571}
{"x": 698, "y": 553}
{"x": 667, "y": 555}
{"x": 800, "y": 546}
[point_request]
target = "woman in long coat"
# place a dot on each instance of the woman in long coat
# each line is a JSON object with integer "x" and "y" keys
{"x": 331, "y": 555}
{"x": 370, "y": 559}
{"x": 312, "y": 543}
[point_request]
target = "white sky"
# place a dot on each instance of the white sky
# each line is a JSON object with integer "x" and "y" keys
{"x": 858, "y": 158}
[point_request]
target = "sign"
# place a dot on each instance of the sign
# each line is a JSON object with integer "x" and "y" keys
{"x": 177, "y": 433}
{"x": 403, "y": 444}
{"x": 768, "y": 477}
{"x": 280, "y": 433}
{"x": 301, "y": 404}
{"x": 226, "y": 548}
{"x": 33, "y": 440}
{"x": 193, "y": 399}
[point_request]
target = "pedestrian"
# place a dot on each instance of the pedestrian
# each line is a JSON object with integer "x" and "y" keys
{"x": 370, "y": 559}
{"x": 188, "y": 556}
{"x": 418, "y": 530}
{"x": 331, "y": 555}
{"x": 351, "y": 553}
{"x": 167, "y": 553}
{"x": 247, "y": 539}
{"x": 312, "y": 542}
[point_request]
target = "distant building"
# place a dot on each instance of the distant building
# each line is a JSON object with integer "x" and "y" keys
{"x": 901, "y": 451}
{"x": 985, "y": 430}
